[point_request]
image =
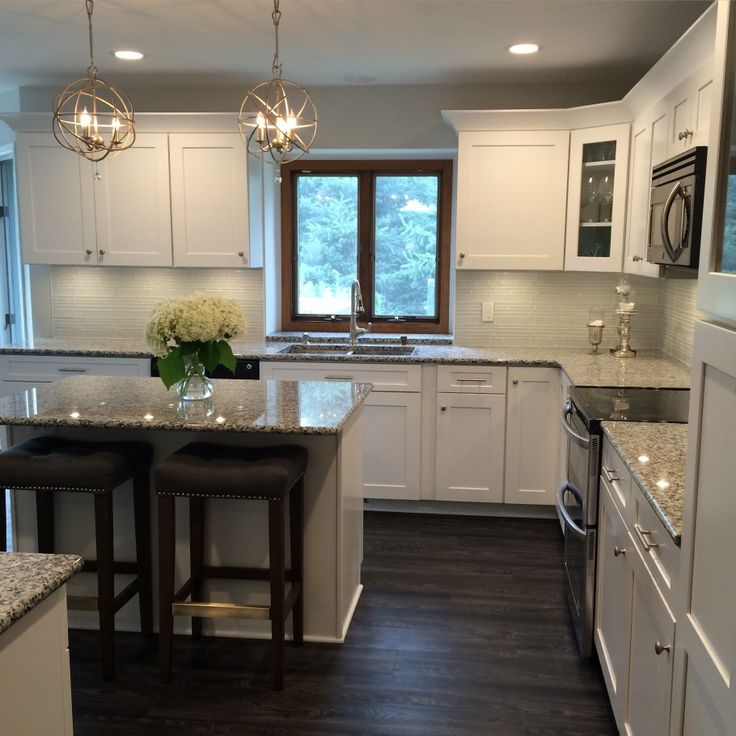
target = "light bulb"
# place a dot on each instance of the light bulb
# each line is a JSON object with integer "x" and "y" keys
{"x": 84, "y": 118}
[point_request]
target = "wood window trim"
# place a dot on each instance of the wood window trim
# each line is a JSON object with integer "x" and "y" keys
{"x": 365, "y": 169}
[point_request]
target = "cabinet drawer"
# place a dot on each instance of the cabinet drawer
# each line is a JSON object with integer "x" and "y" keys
{"x": 661, "y": 554}
{"x": 383, "y": 377}
{"x": 471, "y": 379}
{"x": 618, "y": 478}
{"x": 42, "y": 369}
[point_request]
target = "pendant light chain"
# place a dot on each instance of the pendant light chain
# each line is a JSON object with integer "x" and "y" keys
{"x": 91, "y": 69}
{"x": 276, "y": 67}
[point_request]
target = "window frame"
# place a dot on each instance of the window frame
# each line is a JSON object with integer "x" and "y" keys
{"x": 366, "y": 170}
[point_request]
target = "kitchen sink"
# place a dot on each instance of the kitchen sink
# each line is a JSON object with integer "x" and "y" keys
{"x": 367, "y": 350}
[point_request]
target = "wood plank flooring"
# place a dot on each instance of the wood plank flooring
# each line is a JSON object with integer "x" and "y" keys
{"x": 462, "y": 630}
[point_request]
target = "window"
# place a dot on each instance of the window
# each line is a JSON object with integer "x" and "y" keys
{"x": 385, "y": 223}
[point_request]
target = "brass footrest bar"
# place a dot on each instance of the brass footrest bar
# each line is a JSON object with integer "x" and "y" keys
{"x": 220, "y": 610}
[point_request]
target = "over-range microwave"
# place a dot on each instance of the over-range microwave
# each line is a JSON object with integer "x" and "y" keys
{"x": 676, "y": 209}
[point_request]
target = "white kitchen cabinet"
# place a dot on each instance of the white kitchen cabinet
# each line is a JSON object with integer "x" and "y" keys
{"x": 511, "y": 197}
{"x": 392, "y": 425}
{"x": 55, "y": 202}
{"x": 470, "y": 447}
{"x": 596, "y": 202}
{"x": 532, "y": 435}
{"x": 132, "y": 207}
{"x": 209, "y": 199}
{"x": 34, "y": 671}
{"x": 689, "y": 109}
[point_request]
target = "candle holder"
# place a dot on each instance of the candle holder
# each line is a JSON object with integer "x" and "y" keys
{"x": 623, "y": 349}
{"x": 595, "y": 337}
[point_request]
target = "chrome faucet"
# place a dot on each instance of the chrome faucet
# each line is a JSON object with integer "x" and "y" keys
{"x": 356, "y": 305}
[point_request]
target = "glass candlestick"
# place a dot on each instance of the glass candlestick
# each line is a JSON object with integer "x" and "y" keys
{"x": 595, "y": 329}
{"x": 623, "y": 349}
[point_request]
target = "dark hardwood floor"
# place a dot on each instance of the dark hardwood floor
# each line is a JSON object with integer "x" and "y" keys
{"x": 462, "y": 630}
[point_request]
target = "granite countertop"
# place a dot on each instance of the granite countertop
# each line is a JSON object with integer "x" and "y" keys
{"x": 112, "y": 402}
{"x": 655, "y": 455}
{"x": 26, "y": 579}
{"x": 647, "y": 370}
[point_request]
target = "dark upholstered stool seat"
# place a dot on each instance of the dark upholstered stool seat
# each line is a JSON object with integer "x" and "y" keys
{"x": 52, "y": 464}
{"x": 217, "y": 471}
{"x": 205, "y": 471}
{"x": 59, "y": 464}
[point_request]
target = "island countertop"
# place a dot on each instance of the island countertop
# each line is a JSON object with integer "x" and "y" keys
{"x": 275, "y": 407}
{"x": 28, "y": 578}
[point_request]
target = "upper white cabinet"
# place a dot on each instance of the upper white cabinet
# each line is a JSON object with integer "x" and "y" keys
{"x": 511, "y": 195}
{"x": 532, "y": 435}
{"x": 209, "y": 199}
{"x": 596, "y": 202}
{"x": 56, "y": 202}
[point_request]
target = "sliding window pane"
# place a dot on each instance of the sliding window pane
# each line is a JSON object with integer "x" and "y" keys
{"x": 406, "y": 242}
{"x": 326, "y": 242}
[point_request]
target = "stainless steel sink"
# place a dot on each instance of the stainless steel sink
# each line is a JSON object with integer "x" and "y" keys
{"x": 327, "y": 349}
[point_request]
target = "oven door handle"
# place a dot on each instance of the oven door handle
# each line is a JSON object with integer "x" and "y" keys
{"x": 563, "y": 509}
{"x": 584, "y": 442}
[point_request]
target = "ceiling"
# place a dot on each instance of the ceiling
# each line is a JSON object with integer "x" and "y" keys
{"x": 339, "y": 42}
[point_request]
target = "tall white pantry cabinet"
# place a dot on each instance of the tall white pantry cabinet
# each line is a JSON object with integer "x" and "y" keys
{"x": 704, "y": 700}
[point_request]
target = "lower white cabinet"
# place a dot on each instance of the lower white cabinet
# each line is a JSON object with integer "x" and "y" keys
{"x": 470, "y": 447}
{"x": 532, "y": 435}
{"x": 634, "y": 626}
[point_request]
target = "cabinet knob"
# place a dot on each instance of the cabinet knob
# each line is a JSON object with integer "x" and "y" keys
{"x": 102, "y": 252}
{"x": 443, "y": 408}
{"x": 659, "y": 648}
{"x": 684, "y": 134}
{"x": 618, "y": 551}
{"x": 88, "y": 252}
{"x": 461, "y": 255}
{"x": 636, "y": 259}
{"x": 515, "y": 381}
{"x": 241, "y": 253}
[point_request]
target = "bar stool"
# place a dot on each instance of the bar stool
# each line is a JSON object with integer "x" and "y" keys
{"x": 203, "y": 471}
{"x": 48, "y": 465}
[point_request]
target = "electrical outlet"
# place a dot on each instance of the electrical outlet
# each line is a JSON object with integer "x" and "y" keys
{"x": 486, "y": 311}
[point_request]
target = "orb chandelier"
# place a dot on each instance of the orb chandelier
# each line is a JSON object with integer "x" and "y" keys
{"x": 91, "y": 117}
{"x": 278, "y": 120}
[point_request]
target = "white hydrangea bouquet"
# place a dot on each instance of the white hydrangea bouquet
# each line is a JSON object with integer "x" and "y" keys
{"x": 189, "y": 336}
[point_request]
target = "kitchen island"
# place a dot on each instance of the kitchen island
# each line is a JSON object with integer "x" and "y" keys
{"x": 324, "y": 417}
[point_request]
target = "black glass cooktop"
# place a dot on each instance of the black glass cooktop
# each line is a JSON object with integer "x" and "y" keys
{"x": 631, "y": 404}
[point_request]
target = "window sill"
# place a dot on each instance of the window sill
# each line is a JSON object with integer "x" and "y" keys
{"x": 376, "y": 338}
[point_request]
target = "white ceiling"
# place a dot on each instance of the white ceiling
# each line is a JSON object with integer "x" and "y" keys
{"x": 338, "y": 42}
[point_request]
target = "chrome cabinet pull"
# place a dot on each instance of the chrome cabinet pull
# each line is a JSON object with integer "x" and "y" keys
{"x": 72, "y": 370}
{"x": 515, "y": 381}
{"x": 659, "y": 648}
{"x": 470, "y": 380}
{"x": 241, "y": 253}
{"x": 636, "y": 259}
{"x": 684, "y": 134}
{"x": 642, "y": 534}
{"x": 88, "y": 252}
{"x": 338, "y": 378}
{"x": 618, "y": 551}
{"x": 443, "y": 408}
{"x": 609, "y": 475}
{"x": 102, "y": 252}
{"x": 462, "y": 255}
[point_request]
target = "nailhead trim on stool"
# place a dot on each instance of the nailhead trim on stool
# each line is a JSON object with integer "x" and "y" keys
{"x": 55, "y": 464}
{"x": 204, "y": 471}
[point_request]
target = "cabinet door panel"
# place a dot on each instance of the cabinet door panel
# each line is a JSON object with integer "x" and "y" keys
{"x": 133, "y": 207}
{"x": 470, "y": 447}
{"x": 532, "y": 435}
{"x": 391, "y": 445}
{"x": 56, "y": 202}
{"x": 512, "y": 189}
{"x": 209, "y": 199}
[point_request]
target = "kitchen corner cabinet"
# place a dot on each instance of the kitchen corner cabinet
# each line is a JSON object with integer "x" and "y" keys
{"x": 511, "y": 196}
{"x": 532, "y": 435}
{"x": 596, "y": 202}
{"x": 471, "y": 417}
{"x": 119, "y": 216}
{"x": 209, "y": 199}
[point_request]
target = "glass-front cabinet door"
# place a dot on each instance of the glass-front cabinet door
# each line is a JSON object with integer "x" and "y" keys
{"x": 597, "y": 198}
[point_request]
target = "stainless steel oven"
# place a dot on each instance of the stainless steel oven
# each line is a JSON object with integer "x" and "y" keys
{"x": 577, "y": 497}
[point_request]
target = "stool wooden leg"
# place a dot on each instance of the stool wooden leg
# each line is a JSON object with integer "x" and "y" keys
{"x": 196, "y": 556}
{"x": 142, "y": 512}
{"x": 296, "y": 541}
{"x": 45, "y": 520}
{"x": 166, "y": 548}
{"x": 278, "y": 583}
{"x": 105, "y": 581}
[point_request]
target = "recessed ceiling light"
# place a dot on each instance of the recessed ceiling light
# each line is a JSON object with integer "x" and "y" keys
{"x": 524, "y": 48}
{"x": 129, "y": 55}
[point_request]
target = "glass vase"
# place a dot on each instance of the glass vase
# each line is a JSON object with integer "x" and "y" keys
{"x": 195, "y": 385}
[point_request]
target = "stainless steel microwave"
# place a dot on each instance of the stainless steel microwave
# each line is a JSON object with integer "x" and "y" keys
{"x": 676, "y": 209}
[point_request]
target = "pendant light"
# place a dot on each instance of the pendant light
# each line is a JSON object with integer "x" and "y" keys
{"x": 91, "y": 117}
{"x": 278, "y": 120}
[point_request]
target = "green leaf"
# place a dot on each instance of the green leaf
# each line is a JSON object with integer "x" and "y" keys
{"x": 188, "y": 348}
{"x": 171, "y": 367}
{"x": 225, "y": 355}
{"x": 209, "y": 355}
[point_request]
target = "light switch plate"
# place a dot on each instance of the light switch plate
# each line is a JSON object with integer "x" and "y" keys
{"x": 486, "y": 312}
